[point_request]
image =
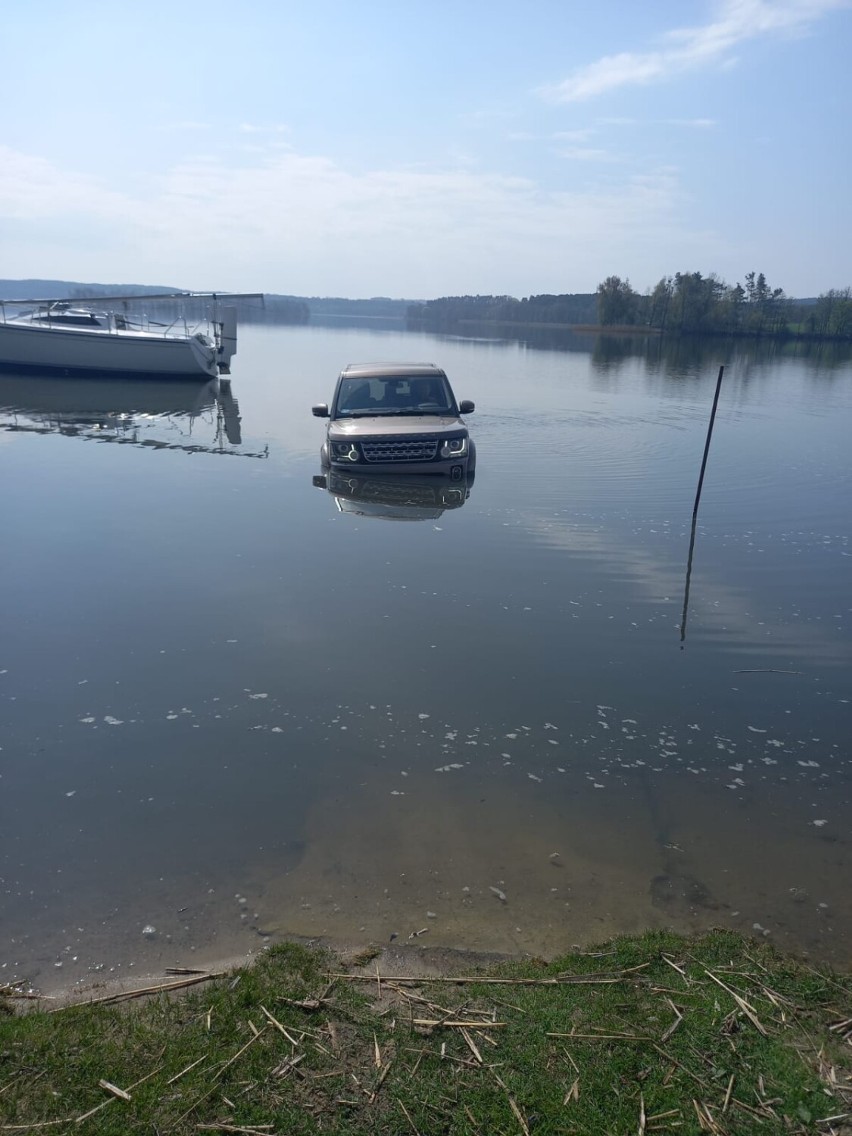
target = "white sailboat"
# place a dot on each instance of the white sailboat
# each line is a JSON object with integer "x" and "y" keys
{"x": 68, "y": 337}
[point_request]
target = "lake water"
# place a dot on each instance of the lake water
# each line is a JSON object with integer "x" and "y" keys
{"x": 235, "y": 707}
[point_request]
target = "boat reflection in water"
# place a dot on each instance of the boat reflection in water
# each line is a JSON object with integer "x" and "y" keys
{"x": 394, "y": 498}
{"x": 156, "y": 414}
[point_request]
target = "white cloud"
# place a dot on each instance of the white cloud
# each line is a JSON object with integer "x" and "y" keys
{"x": 300, "y": 223}
{"x": 691, "y": 123}
{"x": 688, "y": 49}
{"x": 587, "y": 154}
{"x": 31, "y": 188}
{"x": 573, "y": 135}
{"x": 254, "y": 128}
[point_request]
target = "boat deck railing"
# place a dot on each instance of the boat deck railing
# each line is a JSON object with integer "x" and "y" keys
{"x": 111, "y": 321}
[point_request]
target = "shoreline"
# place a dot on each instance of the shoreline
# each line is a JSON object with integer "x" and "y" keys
{"x": 644, "y": 1033}
{"x": 390, "y": 960}
{"x": 394, "y": 959}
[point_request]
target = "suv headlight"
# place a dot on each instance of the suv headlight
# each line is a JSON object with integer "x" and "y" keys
{"x": 345, "y": 451}
{"x": 454, "y": 447}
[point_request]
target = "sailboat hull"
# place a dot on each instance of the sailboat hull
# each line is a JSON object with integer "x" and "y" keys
{"x": 67, "y": 350}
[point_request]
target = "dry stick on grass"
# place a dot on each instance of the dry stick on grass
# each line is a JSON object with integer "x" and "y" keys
{"x": 110, "y": 1100}
{"x": 728, "y": 1094}
{"x": 512, "y": 1103}
{"x": 254, "y": 1130}
{"x": 183, "y": 1072}
{"x": 380, "y": 1082}
{"x": 29, "y": 1127}
{"x": 748, "y": 1010}
{"x": 435, "y": 1023}
{"x": 290, "y": 1063}
{"x": 414, "y": 1127}
{"x": 240, "y": 1052}
{"x": 280, "y": 1028}
{"x": 674, "y": 966}
{"x": 16, "y": 1076}
{"x": 596, "y": 979}
{"x": 411, "y": 998}
{"x": 472, "y": 1046}
{"x": 109, "y": 1087}
{"x": 218, "y": 1074}
{"x": 678, "y": 1019}
{"x": 705, "y": 1119}
{"x": 603, "y": 1036}
{"x": 573, "y": 1093}
{"x": 682, "y": 1067}
{"x": 659, "y": 1116}
{"x": 160, "y": 988}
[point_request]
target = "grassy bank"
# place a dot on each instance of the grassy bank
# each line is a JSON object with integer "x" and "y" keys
{"x": 652, "y": 1034}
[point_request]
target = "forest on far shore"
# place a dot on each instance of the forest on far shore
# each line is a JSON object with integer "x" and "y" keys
{"x": 687, "y": 303}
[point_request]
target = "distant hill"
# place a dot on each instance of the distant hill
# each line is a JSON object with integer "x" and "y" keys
{"x": 72, "y": 289}
{"x": 378, "y": 307}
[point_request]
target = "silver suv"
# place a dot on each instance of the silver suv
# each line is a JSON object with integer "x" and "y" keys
{"x": 397, "y": 418}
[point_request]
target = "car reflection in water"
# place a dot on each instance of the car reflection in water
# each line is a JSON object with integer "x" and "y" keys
{"x": 394, "y": 498}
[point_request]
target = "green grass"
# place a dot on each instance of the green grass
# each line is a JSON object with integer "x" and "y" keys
{"x": 642, "y": 1035}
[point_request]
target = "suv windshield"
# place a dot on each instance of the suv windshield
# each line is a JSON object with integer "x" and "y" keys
{"x": 396, "y": 395}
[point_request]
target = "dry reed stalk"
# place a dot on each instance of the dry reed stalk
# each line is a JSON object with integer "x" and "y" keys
{"x": 748, "y": 1010}
{"x": 280, "y": 1028}
{"x": 728, "y": 1094}
{"x": 183, "y": 1072}
{"x": 30, "y": 1127}
{"x": 472, "y": 1046}
{"x": 512, "y": 1104}
{"x": 254, "y": 1130}
{"x": 121, "y": 1094}
{"x": 597, "y": 979}
{"x": 678, "y": 1019}
{"x": 109, "y": 1100}
{"x": 380, "y": 1082}
{"x": 289, "y": 1064}
{"x": 160, "y": 988}
{"x": 682, "y": 1067}
{"x": 435, "y": 1023}
{"x": 573, "y": 1093}
{"x": 414, "y": 1127}
{"x": 239, "y": 1053}
{"x": 674, "y": 966}
{"x": 603, "y": 1036}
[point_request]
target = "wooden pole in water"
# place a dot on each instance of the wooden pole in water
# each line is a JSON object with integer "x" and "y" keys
{"x": 697, "y": 502}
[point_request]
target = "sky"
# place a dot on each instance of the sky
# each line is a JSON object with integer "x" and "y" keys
{"x": 416, "y": 150}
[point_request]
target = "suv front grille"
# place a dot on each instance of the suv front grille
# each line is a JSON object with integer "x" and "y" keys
{"x": 413, "y": 449}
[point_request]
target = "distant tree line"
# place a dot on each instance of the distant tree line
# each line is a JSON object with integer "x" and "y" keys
{"x": 444, "y": 313}
{"x": 689, "y": 303}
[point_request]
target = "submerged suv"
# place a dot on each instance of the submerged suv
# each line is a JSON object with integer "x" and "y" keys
{"x": 397, "y": 418}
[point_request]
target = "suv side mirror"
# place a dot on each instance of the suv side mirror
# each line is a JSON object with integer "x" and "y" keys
{"x": 466, "y": 406}
{"x": 320, "y": 410}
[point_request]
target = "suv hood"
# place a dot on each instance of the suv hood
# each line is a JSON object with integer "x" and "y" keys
{"x": 383, "y": 425}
